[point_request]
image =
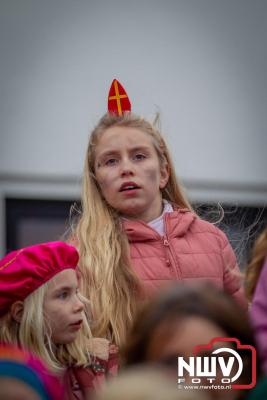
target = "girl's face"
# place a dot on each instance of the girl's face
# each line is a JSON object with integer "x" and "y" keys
{"x": 63, "y": 308}
{"x": 129, "y": 174}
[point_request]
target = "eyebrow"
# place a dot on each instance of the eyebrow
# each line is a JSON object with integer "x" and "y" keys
{"x": 63, "y": 288}
{"x": 140, "y": 148}
{"x": 108, "y": 153}
{"x": 116, "y": 151}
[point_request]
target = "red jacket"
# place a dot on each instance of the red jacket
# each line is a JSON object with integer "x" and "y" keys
{"x": 191, "y": 250}
{"x": 82, "y": 382}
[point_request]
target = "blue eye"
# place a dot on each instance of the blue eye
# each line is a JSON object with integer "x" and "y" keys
{"x": 139, "y": 156}
{"x": 111, "y": 161}
{"x": 63, "y": 295}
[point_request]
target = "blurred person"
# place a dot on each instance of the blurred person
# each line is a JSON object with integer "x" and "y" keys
{"x": 181, "y": 318}
{"x": 255, "y": 265}
{"x": 256, "y": 291}
{"x": 25, "y": 377}
{"x": 146, "y": 383}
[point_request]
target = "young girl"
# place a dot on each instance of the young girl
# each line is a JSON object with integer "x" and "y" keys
{"x": 137, "y": 230}
{"x": 41, "y": 311}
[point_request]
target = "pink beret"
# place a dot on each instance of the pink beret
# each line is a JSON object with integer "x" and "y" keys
{"x": 22, "y": 271}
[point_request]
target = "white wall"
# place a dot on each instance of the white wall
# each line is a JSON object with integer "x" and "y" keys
{"x": 202, "y": 63}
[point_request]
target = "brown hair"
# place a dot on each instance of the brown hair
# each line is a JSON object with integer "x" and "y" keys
{"x": 179, "y": 302}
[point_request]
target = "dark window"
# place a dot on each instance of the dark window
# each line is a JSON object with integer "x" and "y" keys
{"x": 30, "y": 221}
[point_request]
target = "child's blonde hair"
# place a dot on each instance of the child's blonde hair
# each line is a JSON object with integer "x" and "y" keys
{"x": 257, "y": 257}
{"x": 108, "y": 279}
{"x": 33, "y": 333}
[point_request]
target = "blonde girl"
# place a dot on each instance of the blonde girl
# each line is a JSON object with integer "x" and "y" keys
{"x": 137, "y": 231}
{"x": 41, "y": 311}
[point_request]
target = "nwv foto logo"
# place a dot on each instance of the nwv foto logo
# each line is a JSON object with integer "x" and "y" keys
{"x": 225, "y": 369}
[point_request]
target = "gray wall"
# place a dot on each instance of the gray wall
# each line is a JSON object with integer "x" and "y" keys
{"x": 201, "y": 63}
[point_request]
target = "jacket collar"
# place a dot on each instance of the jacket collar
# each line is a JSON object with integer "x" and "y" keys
{"x": 176, "y": 224}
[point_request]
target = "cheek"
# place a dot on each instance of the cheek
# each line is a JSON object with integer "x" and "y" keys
{"x": 51, "y": 318}
{"x": 54, "y": 315}
{"x": 105, "y": 181}
{"x": 102, "y": 183}
{"x": 152, "y": 175}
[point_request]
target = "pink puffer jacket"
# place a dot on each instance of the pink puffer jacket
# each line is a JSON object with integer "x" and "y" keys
{"x": 191, "y": 250}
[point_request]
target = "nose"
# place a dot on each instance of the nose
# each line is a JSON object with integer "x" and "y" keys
{"x": 78, "y": 305}
{"x": 127, "y": 168}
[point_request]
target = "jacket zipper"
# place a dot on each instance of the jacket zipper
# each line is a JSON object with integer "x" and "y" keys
{"x": 172, "y": 258}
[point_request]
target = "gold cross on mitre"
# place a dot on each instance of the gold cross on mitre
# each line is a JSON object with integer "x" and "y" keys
{"x": 118, "y": 96}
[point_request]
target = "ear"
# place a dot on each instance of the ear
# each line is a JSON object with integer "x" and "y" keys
{"x": 164, "y": 176}
{"x": 17, "y": 309}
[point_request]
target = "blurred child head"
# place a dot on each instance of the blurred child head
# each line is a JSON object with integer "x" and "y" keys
{"x": 181, "y": 318}
{"x": 25, "y": 377}
{"x": 40, "y": 306}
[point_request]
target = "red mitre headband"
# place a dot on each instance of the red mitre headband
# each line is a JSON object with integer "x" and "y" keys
{"x": 23, "y": 271}
{"x": 118, "y": 100}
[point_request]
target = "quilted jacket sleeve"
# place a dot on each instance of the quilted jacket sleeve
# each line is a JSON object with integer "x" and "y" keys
{"x": 232, "y": 278}
{"x": 258, "y": 314}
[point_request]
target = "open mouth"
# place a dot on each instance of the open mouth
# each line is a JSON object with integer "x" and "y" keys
{"x": 128, "y": 186}
{"x": 78, "y": 323}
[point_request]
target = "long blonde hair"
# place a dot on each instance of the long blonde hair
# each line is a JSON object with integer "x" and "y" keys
{"x": 253, "y": 270}
{"x": 107, "y": 277}
{"x": 33, "y": 333}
